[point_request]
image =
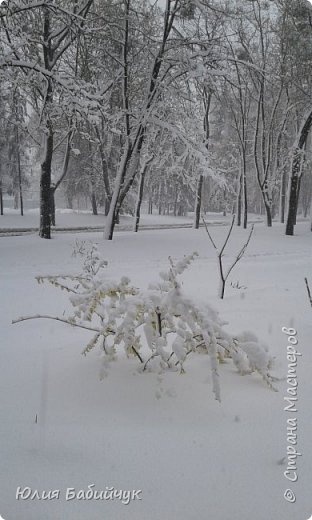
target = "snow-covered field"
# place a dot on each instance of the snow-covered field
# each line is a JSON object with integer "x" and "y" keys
{"x": 192, "y": 457}
{"x": 68, "y": 218}
{"x": 74, "y": 218}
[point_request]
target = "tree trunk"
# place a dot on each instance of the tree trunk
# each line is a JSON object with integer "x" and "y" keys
{"x": 19, "y": 171}
{"x": 111, "y": 217}
{"x": 52, "y": 205}
{"x": 224, "y": 203}
{"x": 140, "y": 193}
{"x": 221, "y": 288}
{"x": 198, "y": 201}
{"x": 133, "y": 151}
{"x": 239, "y": 202}
{"x": 291, "y": 218}
{"x": 295, "y": 173}
{"x": 107, "y": 205}
{"x": 93, "y": 202}
{"x": 139, "y": 202}
{"x": 283, "y": 197}
{"x": 268, "y": 214}
{"x": 1, "y": 197}
{"x": 93, "y": 186}
{"x": 45, "y": 185}
{"x": 159, "y": 198}
{"x": 245, "y": 196}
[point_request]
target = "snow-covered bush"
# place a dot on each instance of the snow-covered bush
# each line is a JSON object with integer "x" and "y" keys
{"x": 160, "y": 326}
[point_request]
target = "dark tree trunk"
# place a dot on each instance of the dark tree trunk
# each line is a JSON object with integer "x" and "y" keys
{"x": 1, "y": 197}
{"x": 224, "y": 203}
{"x": 291, "y": 218}
{"x": 139, "y": 202}
{"x": 268, "y": 214}
{"x": 160, "y": 197}
{"x": 222, "y": 289}
{"x": 245, "y": 197}
{"x": 45, "y": 177}
{"x": 19, "y": 171}
{"x": 295, "y": 173}
{"x": 52, "y": 205}
{"x": 283, "y": 196}
{"x": 45, "y": 185}
{"x": 239, "y": 202}
{"x": 94, "y": 204}
{"x": 198, "y": 201}
{"x": 267, "y": 203}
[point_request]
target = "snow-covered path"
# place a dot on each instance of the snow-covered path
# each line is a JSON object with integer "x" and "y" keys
{"x": 193, "y": 458}
{"x": 13, "y": 224}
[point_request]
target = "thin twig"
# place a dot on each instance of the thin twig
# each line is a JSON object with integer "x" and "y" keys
{"x": 207, "y": 230}
{"x": 308, "y": 290}
{"x": 240, "y": 254}
{"x": 137, "y": 354}
{"x": 37, "y": 316}
{"x": 228, "y": 236}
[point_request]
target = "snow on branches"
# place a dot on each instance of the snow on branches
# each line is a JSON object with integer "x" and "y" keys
{"x": 160, "y": 326}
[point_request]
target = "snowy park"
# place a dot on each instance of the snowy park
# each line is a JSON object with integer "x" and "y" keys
{"x": 68, "y": 423}
{"x": 155, "y": 259}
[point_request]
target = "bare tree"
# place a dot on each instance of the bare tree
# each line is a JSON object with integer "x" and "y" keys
{"x": 206, "y": 95}
{"x": 54, "y": 40}
{"x": 224, "y": 273}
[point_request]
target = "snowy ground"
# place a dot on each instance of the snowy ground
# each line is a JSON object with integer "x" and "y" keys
{"x": 74, "y": 218}
{"x": 68, "y": 218}
{"x": 192, "y": 457}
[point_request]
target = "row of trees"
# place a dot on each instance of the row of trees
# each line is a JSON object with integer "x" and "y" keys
{"x": 125, "y": 98}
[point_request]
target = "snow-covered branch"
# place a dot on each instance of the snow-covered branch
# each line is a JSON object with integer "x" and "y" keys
{"x": 160, "y": 327}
